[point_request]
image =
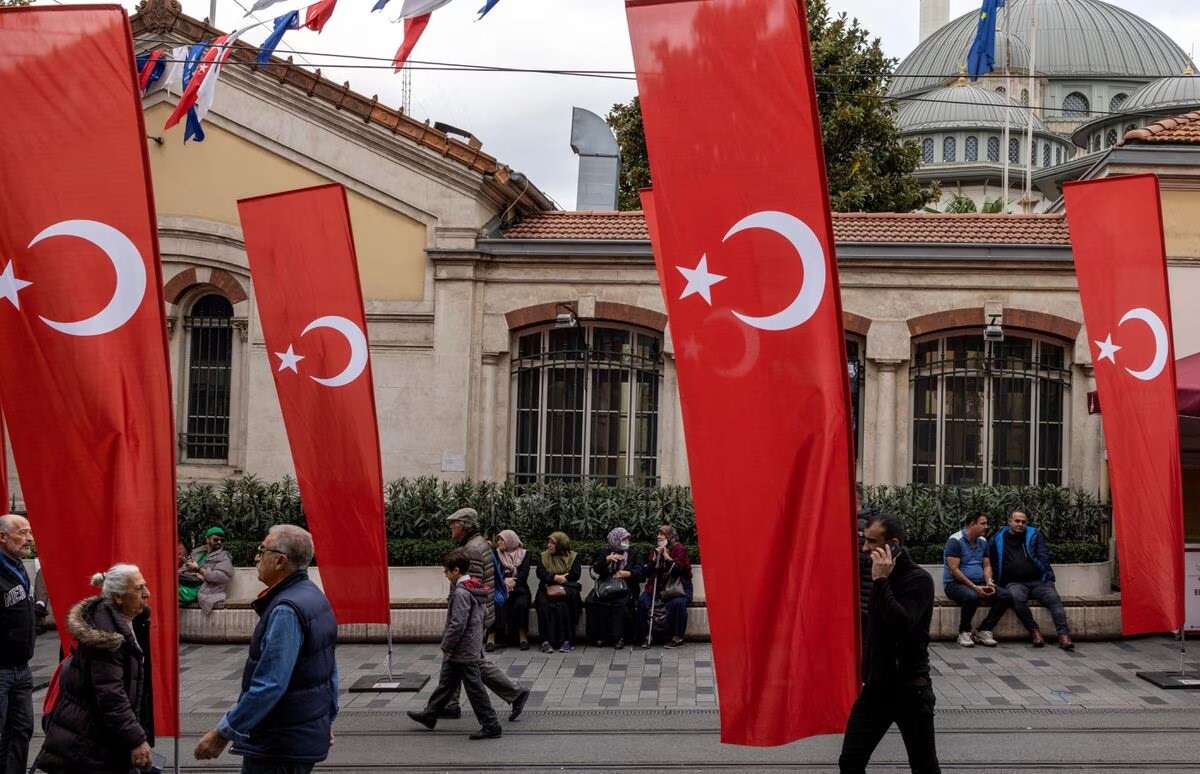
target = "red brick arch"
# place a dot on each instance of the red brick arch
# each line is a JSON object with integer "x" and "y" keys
{"x": 540, "y": 314}
{"x": 223, "y": 281}
{"x": 1023, "y": 319}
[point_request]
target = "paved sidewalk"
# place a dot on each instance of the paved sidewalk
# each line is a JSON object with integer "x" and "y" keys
{"x": 1011, "y": 676}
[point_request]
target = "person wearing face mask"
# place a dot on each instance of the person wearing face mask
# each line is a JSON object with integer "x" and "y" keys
{"x": 668, "y": 573}
{"x": 610, "y": 606}
{"x": 512, "y": 618}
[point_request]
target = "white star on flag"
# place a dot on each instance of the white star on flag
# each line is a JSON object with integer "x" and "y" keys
{"x": 1108, "y": 350}
{"x": 288, "y": 360}
{"x": 10, "y": 285}
{"x": 700, "y": 280}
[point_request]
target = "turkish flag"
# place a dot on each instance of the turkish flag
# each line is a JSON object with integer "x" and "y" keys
{"x": 1121, "y": 263}
{"x": 750, "y": 283}
{"x": 310, "y": 302}
{"x": 85, "y": 387}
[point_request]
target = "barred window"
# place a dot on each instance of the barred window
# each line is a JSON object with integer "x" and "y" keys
{"x": 209, "y": 327}
{"x": 1014, "y": 150}
{"x": 949, "y": 150}
{"x": 1058, "y": 155}
{"x": 1000, "y": 90}
{"x": 927, "y": 150}
{"x": 587, "y": 405}
{"x": 1046, "y": 155}
{"x": 972, "y": 148}
{"x": 1024, "y": 96}
{"x": 993, "y": 149}
{"x": 1075, "y": 105}
{"x": 1110, "y": 139}
{"x": 1117, "y": 101}
{"x": 987, "y": 412}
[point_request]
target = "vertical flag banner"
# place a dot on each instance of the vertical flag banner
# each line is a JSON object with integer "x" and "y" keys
{"x": 5, "y": 496}
{"x": 751, "y": 289}
{"x": 309, "y": 298}
{"x": 1121, "y": 264}
{"x": 86, "y": 391}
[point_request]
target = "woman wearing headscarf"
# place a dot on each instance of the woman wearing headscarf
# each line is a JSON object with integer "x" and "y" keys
{"x": 610, "y": 608}
{"x": 668, "y": 573}
{"x": 512, "y": 618}
{"x": 101, "y": 720}
{"x": 558, "y": 603}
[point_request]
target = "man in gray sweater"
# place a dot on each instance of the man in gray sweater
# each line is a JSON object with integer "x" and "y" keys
{"x": 462, "y": 651}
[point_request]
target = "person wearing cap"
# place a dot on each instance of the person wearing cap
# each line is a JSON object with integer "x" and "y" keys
{"x": 206, "y": 572}
{"x": 464, "y": 529}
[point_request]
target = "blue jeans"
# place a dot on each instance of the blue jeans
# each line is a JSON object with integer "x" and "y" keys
{"x": 16, "y": 718}
{"x": 1044, "y": 592}
{"x": 969, "y": 600}
{"x": 677, "y": 614}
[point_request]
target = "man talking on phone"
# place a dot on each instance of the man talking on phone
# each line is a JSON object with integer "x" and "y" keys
{"x": 896, "y": 684}
{"x": 968, "y": 579}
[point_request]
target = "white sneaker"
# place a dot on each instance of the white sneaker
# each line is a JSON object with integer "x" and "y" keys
{"x": 964, "y": 639}
{"x": 986, "y": 639}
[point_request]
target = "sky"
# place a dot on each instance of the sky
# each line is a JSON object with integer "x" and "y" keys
{"x": 523, "y": 119}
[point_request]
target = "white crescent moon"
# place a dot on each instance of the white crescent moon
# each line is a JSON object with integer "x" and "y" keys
{"x": 131, "y": 276}
{"x": 1161, "y": 342}
{"x": 358, "y": 349}
{"x": 812, "y": 256}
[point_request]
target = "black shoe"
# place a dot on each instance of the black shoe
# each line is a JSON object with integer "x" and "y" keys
{"x": 620, "y": 645}
{"x": 427, "y": 720}
{"x": 450, "y": 713}
{"x": 524, "y": 645}
{"x": 675, "y": 642}
{"x": 518, "y": 705}
{"x": 486, "y": 733}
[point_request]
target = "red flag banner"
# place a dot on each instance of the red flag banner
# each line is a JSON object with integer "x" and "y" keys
{"x": 310, "y": 302}
{"x": 750, "y": 283}
{"x": 86, "y": 390}
{"x": 6, "y": 503}
{"x": 1121, "y": 263}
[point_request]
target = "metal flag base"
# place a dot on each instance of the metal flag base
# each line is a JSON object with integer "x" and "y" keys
{"x": 1171, "y": 680}
{"x": 404, "y": 682}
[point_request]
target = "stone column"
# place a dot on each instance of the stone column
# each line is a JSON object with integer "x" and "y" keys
{"x": 486, "y": 462}
{"x": 884, "y": 372}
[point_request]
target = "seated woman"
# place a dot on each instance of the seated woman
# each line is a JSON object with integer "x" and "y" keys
{"x": 609, "y": 608}
{"x": 668, "y": 573}
{"x": 512, "y": 618}
{"x": 558, "y": 604}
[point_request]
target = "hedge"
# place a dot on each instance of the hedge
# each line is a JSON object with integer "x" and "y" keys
{"x": 415, "y": 512}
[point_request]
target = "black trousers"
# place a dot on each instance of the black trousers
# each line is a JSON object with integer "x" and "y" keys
{"x": 910, "y": 707}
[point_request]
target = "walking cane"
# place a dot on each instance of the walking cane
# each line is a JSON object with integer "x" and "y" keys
{"x": 653, "y": 599}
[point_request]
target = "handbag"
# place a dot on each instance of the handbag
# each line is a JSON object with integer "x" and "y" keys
{"x": 673, "y": 588}
{"x": 611, "y": 589}
{"x": 500, "y": 592}
{"x": 555, "y": 591}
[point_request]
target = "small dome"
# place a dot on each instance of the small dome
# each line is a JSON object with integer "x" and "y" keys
{"x": 1076, "y": 39}
{"x": 1167, "y": 95}
{"x": 962, "y": 107}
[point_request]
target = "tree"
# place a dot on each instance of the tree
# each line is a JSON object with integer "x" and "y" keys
{"x": 870, "y": 167}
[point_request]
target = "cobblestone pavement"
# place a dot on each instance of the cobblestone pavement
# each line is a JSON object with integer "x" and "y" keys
{"x": 1011, "y": 676}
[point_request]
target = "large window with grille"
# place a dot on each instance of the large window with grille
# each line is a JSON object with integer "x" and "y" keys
{"x": 587, "y": 405}
{"x": 989, "y": 412}
{"x": 209, "y": 328}
{"x": 993, "y": 149}
{"x": 1075, "y": 105}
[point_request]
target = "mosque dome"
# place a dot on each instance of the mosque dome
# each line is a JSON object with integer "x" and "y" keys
{"x": 1075, "y": 39}
{"x": 1167, "y": 96}
{"x": 952, "y": 108}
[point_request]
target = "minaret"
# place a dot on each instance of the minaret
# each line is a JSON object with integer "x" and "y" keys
{"x": 935, "y": 14}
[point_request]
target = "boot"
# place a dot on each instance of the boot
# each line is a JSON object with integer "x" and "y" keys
{"x": 1064, "y": 642}
{"x": 1038, "y": 640}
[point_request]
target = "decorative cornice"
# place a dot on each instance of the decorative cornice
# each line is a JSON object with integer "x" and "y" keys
{"x": 159, "y": 16}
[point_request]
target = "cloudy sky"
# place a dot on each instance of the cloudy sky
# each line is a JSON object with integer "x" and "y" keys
{"x": 524, "y": 119}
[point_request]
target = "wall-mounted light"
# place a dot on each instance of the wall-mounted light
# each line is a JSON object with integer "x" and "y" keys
{"x": 566, "y": 317}
{"x": 993, "y": 331}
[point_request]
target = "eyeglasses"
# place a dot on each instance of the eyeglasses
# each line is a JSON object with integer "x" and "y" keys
{"x": 263, "y": 550}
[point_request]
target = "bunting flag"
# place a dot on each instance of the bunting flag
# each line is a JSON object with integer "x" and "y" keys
{"x": 489, "y": 5}
{"x": 749, "y": 278}
{"x": 150, "y": 68}
{"x": 261, "y": 5}
{"x": 1121, "y": 266}
{"x": 414, "y": 28}
{"x": 200, "y": 76}
{"x": 288, "y": 21}
{"x": 317, "y": 14}
{"x": 309, "y": 298}
{"x": 413, "y": 8}
{"x": 380, "y": 5}
{"x": 86, "y": 388}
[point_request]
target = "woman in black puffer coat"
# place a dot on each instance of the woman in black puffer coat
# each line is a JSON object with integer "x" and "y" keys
{"x": 100, "y": 721}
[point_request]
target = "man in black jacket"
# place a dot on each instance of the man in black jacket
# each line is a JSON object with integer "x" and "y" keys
{"x": 896, "y": 686}
{"x": 16, "y": 645}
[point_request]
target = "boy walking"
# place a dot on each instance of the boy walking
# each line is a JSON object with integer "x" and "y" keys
{"x": 462, "y": 651}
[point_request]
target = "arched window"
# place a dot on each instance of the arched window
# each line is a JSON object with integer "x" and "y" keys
{"x": 989, "y": 413}
{"x": 1115, "y": 103}
{"x": 972, "y": 148}
{"x": 209, "y": 326}
{"x": 1110, "y": 139}
{"x": 993, "y": 149}
{"x": 1075, "y": 105}
{"x": 587, "y": 405}
{"x": 1000, "y": 90}
{"x": 949, "y": 150}
{"x": 1058, "y": 155}
{"x": 1014, "y": 150}
{"x": 1046, "y": 155}
{"x": 927, "y": 150}
{"x": 1024, "y": 96}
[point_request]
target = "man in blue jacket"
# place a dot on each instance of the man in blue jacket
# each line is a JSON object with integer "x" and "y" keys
{"x": 1021, "y": 558}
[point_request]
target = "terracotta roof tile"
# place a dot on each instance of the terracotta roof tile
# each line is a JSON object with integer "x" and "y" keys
{"x": 1183, "y": 130}
{"x": 921, "y": 228}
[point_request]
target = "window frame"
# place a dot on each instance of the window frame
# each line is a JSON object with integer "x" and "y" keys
{"x": 186, "y": 445}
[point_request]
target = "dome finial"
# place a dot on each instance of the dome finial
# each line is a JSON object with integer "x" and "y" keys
{"x": 962, "y": 74}
{"x": 1189, "y": 70}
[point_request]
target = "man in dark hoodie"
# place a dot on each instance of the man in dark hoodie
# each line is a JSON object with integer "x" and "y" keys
{"x": 896, "y": 688}
{"x": 1021, "y": 558}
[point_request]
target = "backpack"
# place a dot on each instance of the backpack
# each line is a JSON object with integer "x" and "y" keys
{"x": 501, "y": 591}
{"x": 54, "y": 689}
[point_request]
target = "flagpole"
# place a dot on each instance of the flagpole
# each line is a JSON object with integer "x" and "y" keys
{"x": 1029, "y": 129}
{"x": 1007, "y": 111}
{"x": 212, "y": 13}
